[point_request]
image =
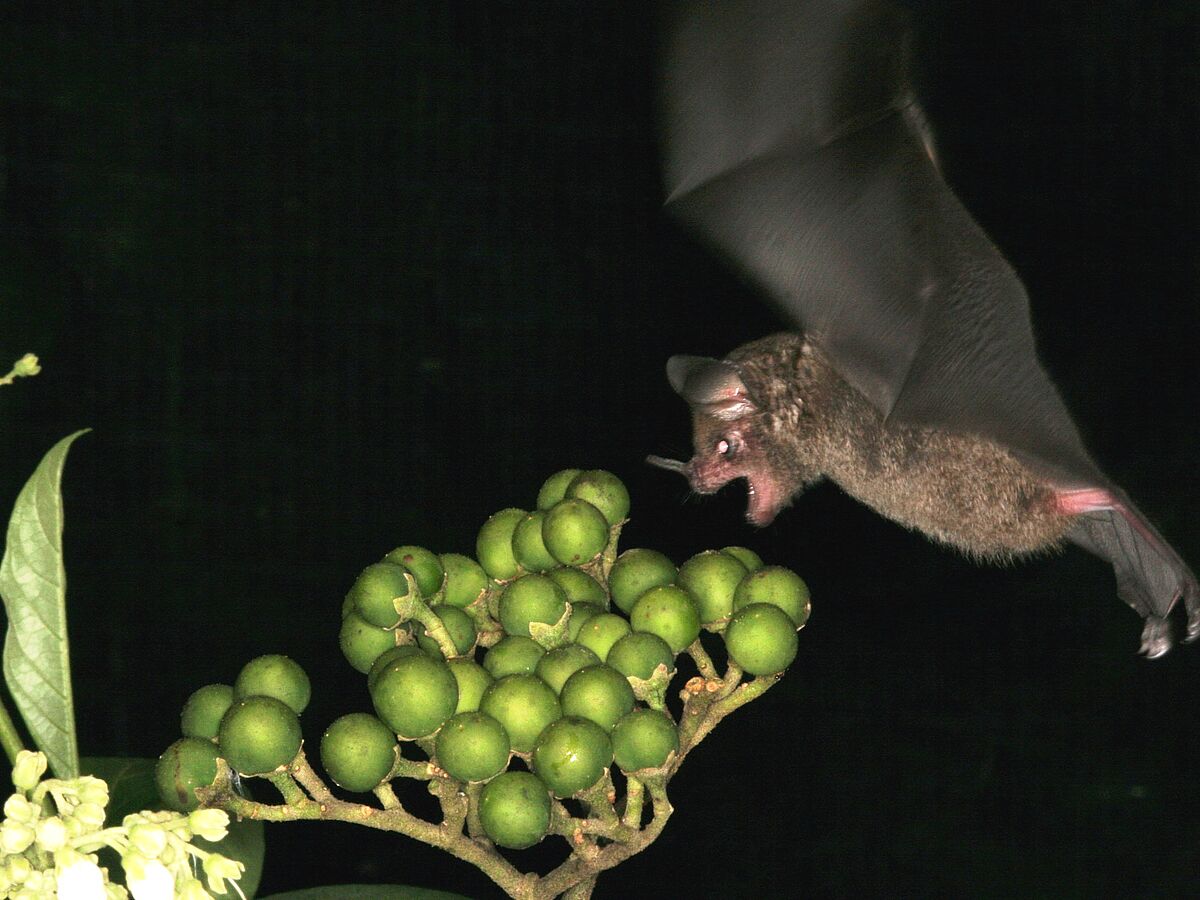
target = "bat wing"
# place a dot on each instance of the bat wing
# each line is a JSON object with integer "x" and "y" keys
{"x": 794, "y": 144}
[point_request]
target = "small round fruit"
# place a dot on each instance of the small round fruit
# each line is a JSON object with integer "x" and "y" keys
{"x": 386, "y": 657}
{"x": 747, "y": 557}
{"x": 599, "y": 693}
{"x": 425, "y": 566}
{"x": 513, "y": 655}
{"x": 603, "y": 490}
{"x": 643, "y": 739}
{"x": 472, "y": 746}
{"x": 494, "y": 547}
{"x": 362, "y": 642}
{"x": 560, "y": 664}
{"x": 571, "y": 755}
{"x": 473, "y": 679}
{"x": 555, "y": 487}
{"x": 203, "y": 710}
{"x": 528, "y": 548}
{"x": 580, "y": 586}
{"x": 575, "y": 532}
{"x": 669, "y": 612}
{"x": 524, "y": 705}
{"x": 761, "y": 638}
{"x": 358, "y": 751}
{"x": 258, "y": 735}
{"x": 415, "y": 694}
{"x": 187, "y": 764}
{"x": 514, "y": 809}
{"x": 274, "y": 675}
{"x": 711, "y": 578}
{"x": 639, "y": 653}
{"x": 458, "y": 624}
{"x": 581, "y": 614}
{"x": 635, "y": 572}
{"x": 531, "y": 598}
{"x": 778, "y": 586}
{"x": 374, "y": 591}
{"x": 600, "y": 632}
{"x": 465, "y": 579}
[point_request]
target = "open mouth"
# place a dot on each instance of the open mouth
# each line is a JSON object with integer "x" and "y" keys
{"x": 763, "y": 501}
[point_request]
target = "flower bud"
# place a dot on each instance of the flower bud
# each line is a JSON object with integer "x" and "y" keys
{"x": 51, "y": 834}
{"x": 148, "y": 840}
{"x": 218, "y": 869}
{"x": 19, "y": 869}
{"x": 15, "y": 837}
{"x": 193, "y": 890}
{"x": 210, "y": 824}
{"x": 90, "y": 814}
{"x": 27, "y": 365}
{"x": 77, "y": 876}
{"x": 90, "y": 789}
{"x": 28, "y": 769}
{"x": 19, "y": 809}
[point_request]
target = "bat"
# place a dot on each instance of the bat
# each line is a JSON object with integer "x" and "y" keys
{"x": 795, "y": 145}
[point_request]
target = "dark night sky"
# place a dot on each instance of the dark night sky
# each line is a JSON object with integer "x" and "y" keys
{"x": 329, "y": 278}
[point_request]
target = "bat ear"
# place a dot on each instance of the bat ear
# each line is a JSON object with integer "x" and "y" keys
{"x": 710, "y": 386}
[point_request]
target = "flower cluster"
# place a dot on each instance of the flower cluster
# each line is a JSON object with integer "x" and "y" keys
{"x": 53, "y": 830}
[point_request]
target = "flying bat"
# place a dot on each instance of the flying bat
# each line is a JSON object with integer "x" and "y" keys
{"x": 796, "y": 146}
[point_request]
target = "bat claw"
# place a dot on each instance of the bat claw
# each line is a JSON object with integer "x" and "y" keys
{"x": 1156, "y": 637}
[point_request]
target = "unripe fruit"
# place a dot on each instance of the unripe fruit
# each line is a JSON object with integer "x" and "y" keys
{"x": 643, "y": 739}
{"x": 494, "y": 547}
{"x": 761, "y": 638}
{"x": 639, "y": 653}
{"x": 555, "y": 487}
{"x": 711, "y": 578}
{"x": 603, "y": 490}
{"x": 531, "y": 598}
{"x": 528, "y": 547}
{"x": 358, "y": 751}
{"x": 362, "y": 642}
{"x": 571, "y": 755}
{"x": 472, "y": 747}
{"x": 472, "y": 680}
{"x": 747, "y": 557}
{"x": 580, "y": 586}
{"x": 425, "y": 566}
{"x": 201, "y": 716}
{"x": 386, "y": 657}
{"x": 635, "y": 572}
{"x": 524, "y": 705}
{"x": 415, "y": 694}
{"x": 599, "y": 693}
{"x": 514, "y": 809}
{"x": 778, "y": 586}
{"x": 274, "y": 675}
{"x": 669, "y": 612}
{"x": 560, "y": 664}
{"x": 187, "y": 764}
{"x": 600, "y": 632}
{"x": 258, "y": 735}
{"x": 513, "y": 655}
{"x": 465, "y": 579}
{"x": 581, "y": 614}
{"x": 575, "y": 532}
{"x": 375, "y": 590}
{"x": 459, "y": 625}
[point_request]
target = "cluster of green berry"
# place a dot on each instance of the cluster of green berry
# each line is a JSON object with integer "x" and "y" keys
{"x": 53, "y": 829}
{"x": 524, "y": 673}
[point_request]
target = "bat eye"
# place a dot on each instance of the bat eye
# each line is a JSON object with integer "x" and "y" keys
{"x": 728, "y": 446}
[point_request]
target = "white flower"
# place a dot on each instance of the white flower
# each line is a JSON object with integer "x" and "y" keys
{"x": 148, "y": 879}
{"x": 77, "y": 877}
{"x": 148, "y": 840}
{"x": 218, "y": 868}
{"x": 193, "y": 890}
{"x": 210, "y": 824}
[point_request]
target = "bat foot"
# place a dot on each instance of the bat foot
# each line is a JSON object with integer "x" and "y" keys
{"x": 1156, "y": 637}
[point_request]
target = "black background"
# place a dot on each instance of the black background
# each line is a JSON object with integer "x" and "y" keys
{"x": 327, "y": 278}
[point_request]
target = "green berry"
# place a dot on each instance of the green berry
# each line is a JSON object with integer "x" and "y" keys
{"x": 643, "y": 739}
{"x": 778, "y": 586}
{"x": 747, "y": 557}
{"x": 603, "y": 490}
{"x": 203, "y": 710}
{"x": 415, "y": 694}
{"x": 635, "y": 572}
{"x": 514, "y": 809}
{"x": 187, "y": 764}
{"x": 524, "y": 705}
{"x": 472, "y": 746}
{"x": 473, "y": 679}
{"x": 358, "y": 751}
{"x": 494, "y": 547}
{"x": 528, "y": 548}
{"x": 555, "y": 488}
{"x": 459, "y": 625}
{"x": 465, "y": 579}
{"x": 580, "y": 586}
{"x": 274, "y": 675}
{"x": 761, "y": 638}
{"x": 513, "y": 655}
{"x": 711, "y": 578}
{"x": 425, "y": 566}
{"x": 669, "y": 612}
{"x": 639, "y": 653}
{"x": 560, "y": 664}
{"x": 600, "y": 632}
{"x": 531, "y": 598}
{"x": 258, "y": 735}
{"x": 362, "y": 642}
{"x": 386, "y": 657}
{"x": 599, "y": 693}
{"x": 575, "y": 532}
{"x": 375, "y": 590}
{"x": 571, "y": 755}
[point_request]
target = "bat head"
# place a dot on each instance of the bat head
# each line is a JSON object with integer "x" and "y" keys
{"x": 749, "y": 420}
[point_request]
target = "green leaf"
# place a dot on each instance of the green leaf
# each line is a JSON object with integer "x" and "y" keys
{"x": 33, "y": 584}
{"x": 367, "y": 892}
